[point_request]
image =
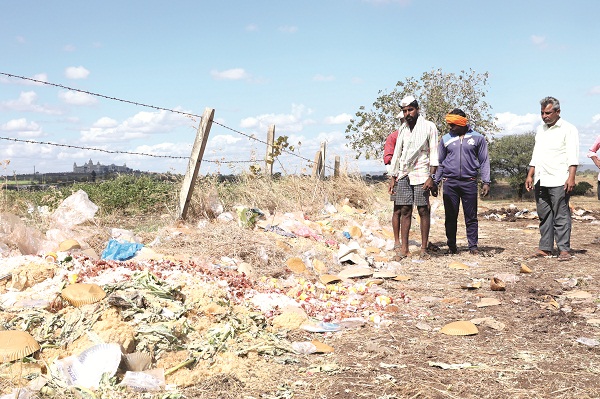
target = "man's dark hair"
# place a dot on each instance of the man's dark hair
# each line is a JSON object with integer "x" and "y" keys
{"x": 458, "y": 111}
{"x": 414, "y": 104}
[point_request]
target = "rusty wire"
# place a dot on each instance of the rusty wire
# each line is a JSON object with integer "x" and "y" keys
{"x": 252, "y": 137}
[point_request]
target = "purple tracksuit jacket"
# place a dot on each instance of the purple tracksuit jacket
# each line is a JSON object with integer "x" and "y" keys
{"x": 463, "y": 160}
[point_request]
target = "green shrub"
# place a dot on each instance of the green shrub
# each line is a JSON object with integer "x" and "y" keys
{"x": 582, "y": 188}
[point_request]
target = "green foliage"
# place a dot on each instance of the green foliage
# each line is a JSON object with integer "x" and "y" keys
{"x": 129, "y": 194}
{"x": 582, "y": 188}
{"x": 437, "y": 93}
{"x": 509, "y": 158}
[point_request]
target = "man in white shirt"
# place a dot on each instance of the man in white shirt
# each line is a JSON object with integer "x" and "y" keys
{"x": 552, "y": 173}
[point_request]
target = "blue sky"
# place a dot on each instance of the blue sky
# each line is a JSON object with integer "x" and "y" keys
{"x": 305, "y": 66}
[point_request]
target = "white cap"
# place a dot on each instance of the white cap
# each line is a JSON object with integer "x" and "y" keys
{"x": 407, "y": 100}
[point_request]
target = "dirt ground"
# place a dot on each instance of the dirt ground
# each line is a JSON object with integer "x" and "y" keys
{"x": 540, "y": 341}
{"x": 527, "y": 348}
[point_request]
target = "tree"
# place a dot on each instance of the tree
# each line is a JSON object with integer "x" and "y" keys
{"x": 437, "y": 93}
{"x": 509, "y": 158}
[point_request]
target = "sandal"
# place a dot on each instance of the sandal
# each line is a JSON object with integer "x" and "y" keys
{"x": 564, "y": 256}
{"x": 540, "y": 253}
{"x": 398, "y": 257}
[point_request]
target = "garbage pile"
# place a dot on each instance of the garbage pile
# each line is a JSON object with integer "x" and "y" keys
{"x": 131, "y": 318}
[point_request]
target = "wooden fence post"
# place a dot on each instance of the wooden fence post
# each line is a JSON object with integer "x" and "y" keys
{"x": 269, "y": 160}
{"x": 336, "y": 167}
{"x": 322, "y": 170}
{"x": 187, "y": 187}
{"x": 316, "y": 165}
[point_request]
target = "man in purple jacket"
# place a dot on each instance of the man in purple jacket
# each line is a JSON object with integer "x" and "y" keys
{"x": 463, "y": 155}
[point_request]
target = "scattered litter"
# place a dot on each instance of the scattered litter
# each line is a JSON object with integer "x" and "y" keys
{"x": 588, "y": 341}
{"x": 455, "y": 366}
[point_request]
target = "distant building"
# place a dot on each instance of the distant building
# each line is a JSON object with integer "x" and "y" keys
{"x": 100, "y": 169}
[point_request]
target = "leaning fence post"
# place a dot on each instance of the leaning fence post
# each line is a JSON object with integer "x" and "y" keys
{"x": 336, "y": 167}
{"x": 187, "y": 187}
{"x": 316, "y": 164}
{"x": 322, "y": 164}
{"x": 269, "y": 157}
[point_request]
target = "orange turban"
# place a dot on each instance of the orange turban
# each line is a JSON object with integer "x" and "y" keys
{"x": 456, "y": 120}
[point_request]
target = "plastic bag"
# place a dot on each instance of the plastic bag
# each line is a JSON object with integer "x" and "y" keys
{"x": 74, "y": 210}
{"x": 116, "y": 250}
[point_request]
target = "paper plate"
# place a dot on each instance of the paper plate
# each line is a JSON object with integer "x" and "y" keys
{"x": 497, "y": 285}
{"x": 384, "y": 274}
{"x": 377, "y": 281}
{"x": 460, "y": 328}
{"x": 578, "y": 295}
{"x": 372, "y": 250}
{"x": 488, "y": 302}
{"x": 458, "y": 265}
{"x": 329, "y": 278}
{"x": 319, "y": 266}
{"x": 137, "y": 361}
{"x": 15, "y": 345}
{"x": 355, "y": 232}
{"x": 321, "y": 347}
{"x": 68, "y": 245}
{"x": 525, "y": 268}
{"x": 80, "y": 294}
{"x": 355, "y": 272}
{"x": 296, "y": 265}
{"x": 402, "y": 278}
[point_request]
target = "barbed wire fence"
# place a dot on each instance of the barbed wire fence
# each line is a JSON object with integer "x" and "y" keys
{"x": 273, "y": 149}
{"x": 188, "y": 114}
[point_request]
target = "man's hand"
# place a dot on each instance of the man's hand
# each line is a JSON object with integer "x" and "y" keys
{"x": 391, "y": 185}
{"x": 429, "y": 184}
{"x": 529, "y": 183}
{"x": 570, "y": 184}
{"x": 485, "y": 190}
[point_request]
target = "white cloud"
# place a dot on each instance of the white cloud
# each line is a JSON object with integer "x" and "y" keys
{"x": 594, "y": 90}
{"x": 139, "y": 126}
{"x": 516, "y": 124}
{"x": 230, "y": 74}
{"x": 323, "y": 78}
{"x": 20, "y": 39}
{"x": 69, "y": 48}
{"x": 76, "y": 72}
{"x": 288, "y": 29}
{"x": 22, "y": 128}
{"x": 538, "y": 41}
{"x": 338, "y": 119}
{"x": 224, "y": 139}
{"x": 27, "y": 103}
{"x": 284, "y": 123}
{"x": 252, "y": 28}
{"x": 77, "y": 98}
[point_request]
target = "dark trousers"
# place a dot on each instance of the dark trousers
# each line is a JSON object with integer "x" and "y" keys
{"x": 555, "y": 217}
{"x": 456, "y": 191}
{"x": 598, "y": 189}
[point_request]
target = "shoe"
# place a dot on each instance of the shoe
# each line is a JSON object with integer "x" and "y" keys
{"x": 452, "y": 251}
{"x": 474, "y": 251}
{"x": 432, "y": 247}
{"x": 564, "y": 256}
{"x": 540, "y": 253}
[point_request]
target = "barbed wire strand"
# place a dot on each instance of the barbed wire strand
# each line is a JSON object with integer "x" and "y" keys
{"x": 117, "y": 151}
{"x": 142, "y": 105}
